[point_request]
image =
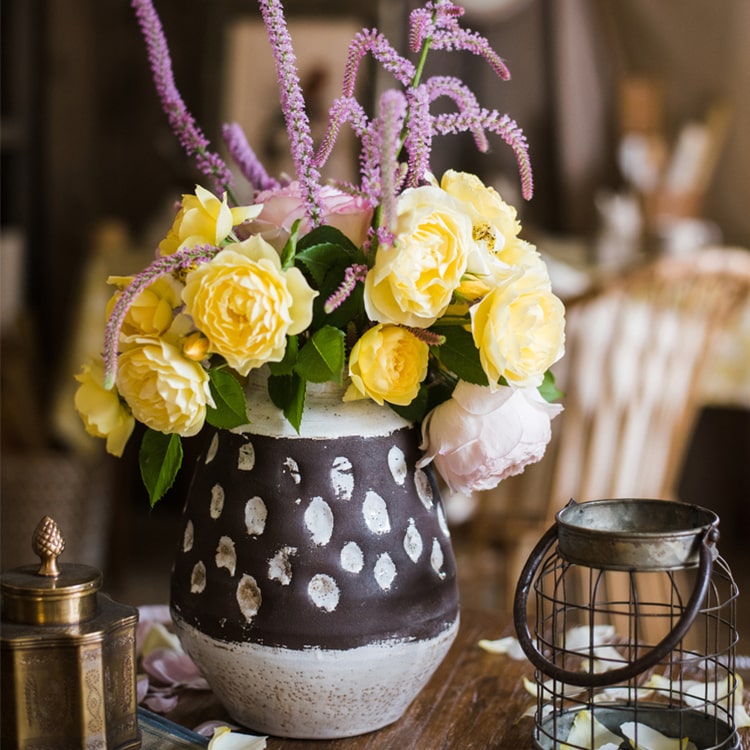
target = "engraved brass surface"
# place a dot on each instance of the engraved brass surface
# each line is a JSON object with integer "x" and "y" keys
{"x": 67, "y": 657}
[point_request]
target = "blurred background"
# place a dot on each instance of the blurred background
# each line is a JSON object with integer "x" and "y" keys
{"x": 638, "y": 118}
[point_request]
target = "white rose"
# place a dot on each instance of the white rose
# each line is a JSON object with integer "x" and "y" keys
{"x": 479, "y": 437}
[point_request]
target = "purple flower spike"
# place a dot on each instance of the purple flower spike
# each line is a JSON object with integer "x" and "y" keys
{"x": 181, "y": 260}
{"x": 357, "y": 272}
{"x": 392, "y": 114}
{"x": 371, "y": 40}
{"x": 419, "y": 139}
{"x": 293, "y": 107}
{"x": 420, "y": 27}
{"x": 189, "y": 135}
{"x": 464, "y": 99}
{"x": 247, "y": 160}
{"x": 344, "y": 109}
{"x": 501, "y": 125}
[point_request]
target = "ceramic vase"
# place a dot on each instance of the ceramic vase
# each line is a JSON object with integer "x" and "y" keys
{"x": 315, "y": 583}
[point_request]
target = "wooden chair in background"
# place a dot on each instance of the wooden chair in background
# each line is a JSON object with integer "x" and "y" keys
{"x": 635, "y": 352}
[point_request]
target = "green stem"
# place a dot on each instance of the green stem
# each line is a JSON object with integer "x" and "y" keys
{"x": 454, "y": 320}
{"x": 414, "y": 83}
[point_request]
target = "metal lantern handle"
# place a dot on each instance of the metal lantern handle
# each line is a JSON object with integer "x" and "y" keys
{"x": 648, "y": 660}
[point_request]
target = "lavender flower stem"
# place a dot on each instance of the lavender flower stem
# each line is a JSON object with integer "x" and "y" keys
{"x": 162, "y": 266}
{"x": 190, "y": 136}
{"x": 293, "y": 107}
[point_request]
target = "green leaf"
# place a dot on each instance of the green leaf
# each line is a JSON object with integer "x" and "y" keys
{"x": 322, "y": 357}
{"x": 319, "y": 260}
{"x": 160, "y": 458}
{"x": 327, "y": 235}
{"x": 459, "y": 354}
{"x": 290, "y": 248}
{"x": 231, "y": 407}
{"x": 286, "y": 366}
{"x": 548, "y": 390}
{"x": 325, "y": 253}
{"x": 288, "y": 393}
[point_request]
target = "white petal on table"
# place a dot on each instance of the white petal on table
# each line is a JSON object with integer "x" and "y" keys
{"x": 225, "y": 739}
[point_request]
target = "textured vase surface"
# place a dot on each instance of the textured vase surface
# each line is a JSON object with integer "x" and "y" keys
{"x": 315, "y": 583}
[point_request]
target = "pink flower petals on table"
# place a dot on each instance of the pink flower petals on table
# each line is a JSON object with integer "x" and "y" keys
{"x": 166, "y": 667}
{"x": 174, "y": 669}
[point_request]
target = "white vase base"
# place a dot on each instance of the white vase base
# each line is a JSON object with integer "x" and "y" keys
{"x": 316, "y": 693}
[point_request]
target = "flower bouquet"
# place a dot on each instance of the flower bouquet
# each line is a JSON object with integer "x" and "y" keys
{"x": 413, "y": 291}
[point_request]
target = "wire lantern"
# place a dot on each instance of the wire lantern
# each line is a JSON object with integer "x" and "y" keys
{"x": 635, "y": 629}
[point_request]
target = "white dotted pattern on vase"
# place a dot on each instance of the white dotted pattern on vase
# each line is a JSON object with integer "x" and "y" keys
{"x": 212, "y": 448}
{"x": 342, "y": 479}
{"x": 413, "y": 544}
{"x": 437, "y": 558}
{"x": 246, "y": 457}
{"x": 293, "y": 468}
{"x": 424, "y": 488}
{"x": 375, "y": 511}
{"x": 319, "y": 521}
{"x": 188, "y": 537}
{"x": 256, "y": 514}
{"x": 226, "y": 557}
{"x": 352, "y": 559}
{"x": 324, "y": 592}
{"x": 248, "y": 597}
{"x": 198, "y": 578}
{"x": 322, "y": 589}
{"x": 217, "y": 501}
{"x": 397, "y": 465}
{"x": 280, "y": 566}
{"x": 385, "y": 571}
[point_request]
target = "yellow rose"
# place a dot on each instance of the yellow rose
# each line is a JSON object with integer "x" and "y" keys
{"x": 387, "y": 364}
{"x": 412, "y": 283}
{"x": 204, "y": 219}
{"x": 246, "y": 305}
{"x": 519, "y": 328}
{"x": 164, "y": 390}
{"x": 494, "y": 222}
{"x": 103, "y": 413}
{"x": 151, "y": 313}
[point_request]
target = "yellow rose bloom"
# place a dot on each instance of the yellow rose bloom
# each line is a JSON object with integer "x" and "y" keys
{"x": 151, "y": 313}
{"x": 412, "y": 283}
{"x": 103, "y": 413}
{"x": 246, "y": 305}
{"x": 204, "y": 219}
{"x": 519, "y": 329}
{"x": 165, "y": 391}
{"x": 388, "y": 363}
{"x": 494, "y": 222}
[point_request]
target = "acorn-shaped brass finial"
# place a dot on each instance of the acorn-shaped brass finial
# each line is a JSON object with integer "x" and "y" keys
{"x": 48, "y": 542}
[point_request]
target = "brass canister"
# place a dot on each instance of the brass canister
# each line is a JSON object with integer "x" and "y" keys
{"x": 67, "y": 656}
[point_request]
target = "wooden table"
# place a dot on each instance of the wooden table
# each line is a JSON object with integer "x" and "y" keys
{"x": 474, "y": 701}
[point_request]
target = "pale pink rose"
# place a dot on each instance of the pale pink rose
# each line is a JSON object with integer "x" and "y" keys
{"x": 479, "y": 437}
{"x": 351, "y": 214}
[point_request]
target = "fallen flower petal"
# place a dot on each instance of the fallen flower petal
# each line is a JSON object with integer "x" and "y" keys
{"x": 509, "y": 646}
{"x": 581, "y": 638}
{"x": 157, "y": 636}
{"x": 141, "y": 687}
{"x": 585, "y": 728}
{"x": 174, "y": 669}
{"x": 207, "y": 728}
{"x": 650, "y": 739}
{"x": 551, "y": 688}
{"x": 160, "y": 703}
{"x": 225, "y": 739}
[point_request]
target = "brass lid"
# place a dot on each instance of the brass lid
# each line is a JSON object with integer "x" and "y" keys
{"x": 49, "y": 593}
